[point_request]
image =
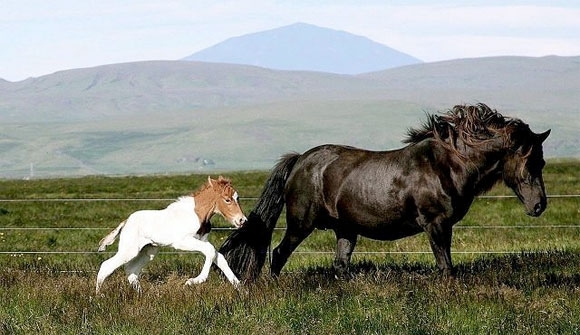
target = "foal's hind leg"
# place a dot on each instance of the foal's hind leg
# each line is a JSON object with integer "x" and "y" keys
{"x": 133, "y": 268}
{"x": 122, "y": 256}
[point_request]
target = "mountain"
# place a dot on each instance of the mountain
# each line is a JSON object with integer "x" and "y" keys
{"x": 305, "y": 47}
{"x": 183, "y": 116}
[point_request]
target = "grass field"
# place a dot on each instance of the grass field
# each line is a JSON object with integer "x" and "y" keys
{"x": 516, "y": 274}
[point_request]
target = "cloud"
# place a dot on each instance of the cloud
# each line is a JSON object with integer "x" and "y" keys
{"x": 443, "y": 32}
{"x": 46, "y": 36}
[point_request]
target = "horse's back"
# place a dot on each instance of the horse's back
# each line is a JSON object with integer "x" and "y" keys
{"x": 320, "y": 174}
{"x": 328, "y": 167}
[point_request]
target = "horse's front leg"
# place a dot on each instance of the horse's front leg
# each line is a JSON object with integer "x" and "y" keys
{"x": 440, "y": 240}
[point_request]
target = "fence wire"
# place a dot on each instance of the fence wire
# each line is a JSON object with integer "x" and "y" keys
{"x": 552, "y": 196}
{"x": 476, "y": 252}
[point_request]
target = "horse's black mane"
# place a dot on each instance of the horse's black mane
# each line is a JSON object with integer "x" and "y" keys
{"x": 472, "y": 123}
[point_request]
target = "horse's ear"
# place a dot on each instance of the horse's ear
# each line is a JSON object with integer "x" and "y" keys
{"x": 209, "y": 181}
{"x": 543, "y": 136}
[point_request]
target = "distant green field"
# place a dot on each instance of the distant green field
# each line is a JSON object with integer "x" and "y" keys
{"x": 218, "y": 139}
{"x": 231, "y": 138}
{"x": 516, "y": 274}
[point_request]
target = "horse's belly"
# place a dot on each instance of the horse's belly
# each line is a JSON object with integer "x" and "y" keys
{"x": 387, "y": 231}
{"x": 377, "y": 220}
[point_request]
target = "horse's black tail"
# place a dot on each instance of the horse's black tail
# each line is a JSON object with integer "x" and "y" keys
{"x": 246, "y": 248}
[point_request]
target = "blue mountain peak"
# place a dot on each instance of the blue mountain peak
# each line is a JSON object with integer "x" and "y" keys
{"x": 302, "y": 46}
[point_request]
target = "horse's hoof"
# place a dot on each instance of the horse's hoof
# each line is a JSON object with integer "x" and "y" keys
{"x": 449, "y": 273}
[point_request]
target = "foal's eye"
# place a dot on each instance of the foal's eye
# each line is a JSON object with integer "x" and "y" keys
{"x": 228, "y": 200}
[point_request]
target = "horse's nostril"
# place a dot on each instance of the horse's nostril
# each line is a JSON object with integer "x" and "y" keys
{"x": 538, "y": 208}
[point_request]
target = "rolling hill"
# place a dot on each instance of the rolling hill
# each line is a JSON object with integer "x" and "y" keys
{"x": 183, "y": 116}
{"x": 158, "y": 86}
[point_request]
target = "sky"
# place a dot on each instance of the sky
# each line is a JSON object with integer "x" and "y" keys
{"x": 39, "y": 37}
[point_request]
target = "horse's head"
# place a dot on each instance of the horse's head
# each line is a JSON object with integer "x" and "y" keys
{"x": 523, "y": 166}
{"x": 226, "y": 202}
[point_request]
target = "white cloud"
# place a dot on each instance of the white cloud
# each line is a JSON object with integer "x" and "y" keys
{"x": 438, "y": 32}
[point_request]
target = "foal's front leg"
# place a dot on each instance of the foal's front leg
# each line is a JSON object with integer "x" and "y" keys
{"x": 221, "y": 263}
{"x": 206, "y": 248}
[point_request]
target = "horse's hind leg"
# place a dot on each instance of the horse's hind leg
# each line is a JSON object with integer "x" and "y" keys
{"x": 292, "y": 238}
{"x": 345, "y": 243}
{"x": 133, "y": 267}
{"x": 300, "y": 220}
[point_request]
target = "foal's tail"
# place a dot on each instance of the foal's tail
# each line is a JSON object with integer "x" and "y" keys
{"x": 110, "y": 238}
{"x": 246, "y": 248}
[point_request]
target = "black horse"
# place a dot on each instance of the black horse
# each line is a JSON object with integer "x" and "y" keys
{"x": 427, "y": 186}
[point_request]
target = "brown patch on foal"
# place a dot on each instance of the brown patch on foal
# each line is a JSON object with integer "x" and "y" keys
{"x": 207, "y": 199}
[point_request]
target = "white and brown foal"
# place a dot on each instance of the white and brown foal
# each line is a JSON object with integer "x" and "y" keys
{"x": 183, "y": 225}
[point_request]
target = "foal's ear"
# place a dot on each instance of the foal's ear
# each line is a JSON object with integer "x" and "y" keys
{"x": 224, "y": 181}
{"x": 210, "y": 181}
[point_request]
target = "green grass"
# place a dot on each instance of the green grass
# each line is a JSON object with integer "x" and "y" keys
{"x": 532, "y": 289}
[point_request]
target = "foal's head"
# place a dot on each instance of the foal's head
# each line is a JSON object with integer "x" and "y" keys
{"x": 218, "y": 196}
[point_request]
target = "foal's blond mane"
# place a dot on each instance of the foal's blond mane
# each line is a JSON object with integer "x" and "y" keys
{"x": 221, "y": 186}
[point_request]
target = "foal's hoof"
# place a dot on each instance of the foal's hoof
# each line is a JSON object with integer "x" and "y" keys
{"x": 195, "y": 281}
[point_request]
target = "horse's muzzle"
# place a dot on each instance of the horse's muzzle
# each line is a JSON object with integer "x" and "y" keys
{"x": 538, "y": 209}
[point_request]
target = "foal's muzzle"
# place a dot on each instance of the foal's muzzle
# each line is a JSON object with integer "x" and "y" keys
{"x": 240, "y": 221}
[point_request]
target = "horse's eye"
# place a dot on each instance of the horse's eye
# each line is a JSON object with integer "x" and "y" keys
{"x": 228, "y": 200}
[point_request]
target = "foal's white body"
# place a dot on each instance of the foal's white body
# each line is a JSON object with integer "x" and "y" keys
{"x": 145, "y": 231}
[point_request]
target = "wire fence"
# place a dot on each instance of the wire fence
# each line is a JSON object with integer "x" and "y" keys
{"x": 459, "y": 226}
{"x": 499, "y": 197}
